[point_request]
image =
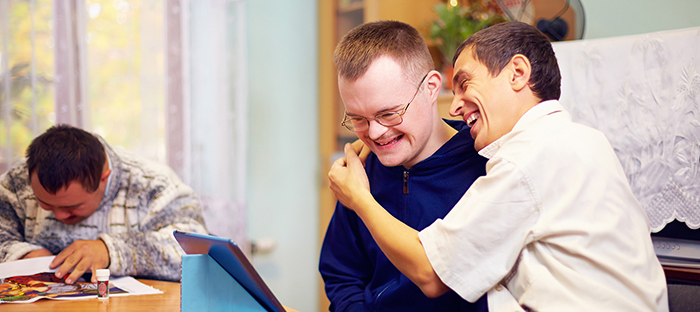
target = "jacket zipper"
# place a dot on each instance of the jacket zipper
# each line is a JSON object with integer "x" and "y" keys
{"x": 405, "y": 182}
{"x": 376, "y": 298}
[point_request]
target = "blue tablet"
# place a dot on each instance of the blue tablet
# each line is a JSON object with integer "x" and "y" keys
{"x": 227, "y": 254}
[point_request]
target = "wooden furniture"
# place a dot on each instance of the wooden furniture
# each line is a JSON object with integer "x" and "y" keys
{"x": 169, "y": 300}
{"x": 682, "y": 275}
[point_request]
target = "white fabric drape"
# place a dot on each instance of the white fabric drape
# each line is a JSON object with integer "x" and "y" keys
{"x": 216, "y": 105}
{"x": 71, "y": 98}
{"x": 643, "y": 92}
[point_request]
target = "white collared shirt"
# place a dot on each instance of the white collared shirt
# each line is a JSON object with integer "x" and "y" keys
{"x": 553, "y": 226}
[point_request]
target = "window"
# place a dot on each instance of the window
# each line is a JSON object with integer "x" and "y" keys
{"x": 26, "y": 75}
{"x": 97, "y": 64}
{"x": 163, "y": 78}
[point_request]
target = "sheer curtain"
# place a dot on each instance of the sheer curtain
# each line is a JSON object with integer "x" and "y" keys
{"x": 163, "y": 78}
{"x": 26, "y": 75}
{"x": 216, "y": 111}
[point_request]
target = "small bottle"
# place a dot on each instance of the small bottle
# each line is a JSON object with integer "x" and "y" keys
{"x": 102, "y": 283}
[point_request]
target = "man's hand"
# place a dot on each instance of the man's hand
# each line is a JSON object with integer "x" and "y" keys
{"x": 80, "y": 256}
{"x": 43, "y": 252}
{"x": 348, "y": 179}
{"x": 361, "y": 149}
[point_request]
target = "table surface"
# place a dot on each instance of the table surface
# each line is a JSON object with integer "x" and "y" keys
{"x": 169, "y": 300}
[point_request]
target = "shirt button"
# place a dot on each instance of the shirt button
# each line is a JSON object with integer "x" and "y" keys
{"x": 499, "y": 287}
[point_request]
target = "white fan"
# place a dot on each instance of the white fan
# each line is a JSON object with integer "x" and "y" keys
{"x": 558, "y": 19}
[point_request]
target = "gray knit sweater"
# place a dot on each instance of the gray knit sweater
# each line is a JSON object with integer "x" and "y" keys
{"x": 144, "y": 203}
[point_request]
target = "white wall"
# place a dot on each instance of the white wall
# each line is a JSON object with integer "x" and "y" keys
{"x": 606, "y": 18}
{"x": 283, "y": 145}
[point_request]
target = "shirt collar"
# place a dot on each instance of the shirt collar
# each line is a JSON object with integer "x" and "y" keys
{"x": 541, "y": 109}
{"x": 537, "y": 111}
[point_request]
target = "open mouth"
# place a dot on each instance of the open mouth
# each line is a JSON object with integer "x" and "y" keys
{"x": 471, "y": 120}
{"x": 396, "y": 139}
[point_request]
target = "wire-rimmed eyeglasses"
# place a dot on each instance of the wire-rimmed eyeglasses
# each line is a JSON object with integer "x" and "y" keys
{"x": 388, "y": 119}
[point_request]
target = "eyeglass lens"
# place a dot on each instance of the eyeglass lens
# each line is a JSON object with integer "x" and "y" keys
{"x": 390, "y": 119}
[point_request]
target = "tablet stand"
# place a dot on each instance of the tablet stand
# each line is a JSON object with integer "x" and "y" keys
{"x": 206, "y": 286}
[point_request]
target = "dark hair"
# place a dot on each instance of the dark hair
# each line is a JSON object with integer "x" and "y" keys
{"x": 64, "y": 154}
{"x": 365, "y": 43}
{"x": 495, "y": 46}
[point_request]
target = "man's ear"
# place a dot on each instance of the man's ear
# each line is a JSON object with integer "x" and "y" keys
{"x": 105, "y": 175}
{"x": 522, "y": 69}
{"x": 433, "y": 84}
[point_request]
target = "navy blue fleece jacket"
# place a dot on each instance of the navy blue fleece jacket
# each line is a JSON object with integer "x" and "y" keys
{"x": 357, "y": 274}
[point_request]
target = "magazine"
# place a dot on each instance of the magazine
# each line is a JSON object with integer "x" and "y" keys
{"x": 29, "y": 280}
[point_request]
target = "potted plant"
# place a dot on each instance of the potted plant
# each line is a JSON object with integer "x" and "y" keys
{"x": 456, "y": 23}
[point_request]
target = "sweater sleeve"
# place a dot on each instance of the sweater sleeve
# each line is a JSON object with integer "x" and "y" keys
{"x": 343, "y": 264}
{"x": 13, "y": 245}
{"x": 151, "y": 250}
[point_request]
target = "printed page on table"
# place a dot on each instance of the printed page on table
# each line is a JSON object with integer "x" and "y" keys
{"x": 29, "y": 280}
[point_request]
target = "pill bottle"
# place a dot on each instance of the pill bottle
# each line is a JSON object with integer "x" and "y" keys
{"x": 102, "y": 283}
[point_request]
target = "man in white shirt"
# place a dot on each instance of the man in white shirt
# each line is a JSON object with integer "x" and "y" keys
{"x": 553, "y": 226}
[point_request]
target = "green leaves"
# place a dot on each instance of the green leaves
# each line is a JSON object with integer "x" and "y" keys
{"x": 455, "y": 24}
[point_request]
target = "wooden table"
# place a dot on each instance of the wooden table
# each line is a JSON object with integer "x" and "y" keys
{"x": 169, "y": 300}
{"x": 682, "y": 275}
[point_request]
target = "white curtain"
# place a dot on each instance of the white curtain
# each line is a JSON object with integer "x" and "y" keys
{"x": 643, "y": 92}
{"x": 216, "y": 102}
{"x": 163, "y": 78}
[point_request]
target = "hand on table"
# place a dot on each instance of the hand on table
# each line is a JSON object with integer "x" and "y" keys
{"x": 80, "y": 256}
{"x": 348, "y": 179}
{"x": 43, "y": 252}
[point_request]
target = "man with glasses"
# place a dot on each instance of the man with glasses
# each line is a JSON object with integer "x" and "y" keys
{"x": 419, "y": 167}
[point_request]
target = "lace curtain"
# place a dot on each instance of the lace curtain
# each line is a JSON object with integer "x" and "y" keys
{"x": 643, "y": 92}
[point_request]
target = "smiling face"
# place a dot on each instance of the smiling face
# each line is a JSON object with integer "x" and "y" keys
{"x": 71, "y": 204}
{"x": 385, "y": 88}
{"x": 488, "y": 104}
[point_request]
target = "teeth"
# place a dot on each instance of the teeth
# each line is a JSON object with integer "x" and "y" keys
{"x": 382, "y": 144}
{"x": 472, "y": 119}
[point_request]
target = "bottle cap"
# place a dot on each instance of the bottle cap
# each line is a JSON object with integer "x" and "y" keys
{"x": 102, "y": 272}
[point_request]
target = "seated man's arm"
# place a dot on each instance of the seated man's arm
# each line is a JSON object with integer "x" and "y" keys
{"x": 398, "y": 241}
{"x": 344, "y": 265}
{"x": 13, "y": 245}
{"x": 148, "y": 248}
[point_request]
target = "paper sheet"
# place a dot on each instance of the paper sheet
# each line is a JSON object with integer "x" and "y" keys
{"x": 11, "y": 291}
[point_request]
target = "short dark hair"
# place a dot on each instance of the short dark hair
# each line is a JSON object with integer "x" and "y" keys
{"x": 367, "y": 42}
{"x": 64, "y": 154}
{"x": 495, "y": 46}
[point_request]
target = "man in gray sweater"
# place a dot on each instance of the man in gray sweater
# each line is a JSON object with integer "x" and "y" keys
{"x": 94, "y": 207}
